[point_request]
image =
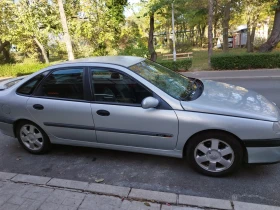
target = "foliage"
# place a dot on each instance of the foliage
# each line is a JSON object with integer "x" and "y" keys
{"x": 20, "y": 69}
{"x": 178, "y": 65}
{"x": 132, "y": 42}
{"x": 246, "y": 61}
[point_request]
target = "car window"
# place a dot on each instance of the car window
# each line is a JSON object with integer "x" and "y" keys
{"x": 170, "y": 82}
{"x": 28, "y": 87}
{"x": 67, "y": 83}
{"x": 112, "y": 86}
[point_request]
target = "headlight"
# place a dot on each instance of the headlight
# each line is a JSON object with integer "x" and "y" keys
{"x": 276, "y": 127}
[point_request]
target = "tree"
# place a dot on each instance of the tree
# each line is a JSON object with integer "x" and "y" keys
{"x": 275, "y": 34}
{"x": 67, "y": 37}
{"x": 6, "y": 25}
{"x": 210, "y": 32}
{"x": 255, "y": 11}
{"x": 32, "y": 24}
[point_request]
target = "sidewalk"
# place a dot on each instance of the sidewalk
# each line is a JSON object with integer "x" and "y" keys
{"x": 26, "y": 192}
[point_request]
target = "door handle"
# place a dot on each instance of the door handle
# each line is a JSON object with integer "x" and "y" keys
{"x": 103, "y": 113}
{"x": 38, "y": 106}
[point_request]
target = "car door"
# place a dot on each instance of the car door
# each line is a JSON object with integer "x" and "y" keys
{"x": 120, "y": 119}
{"x": 60, "y": 105}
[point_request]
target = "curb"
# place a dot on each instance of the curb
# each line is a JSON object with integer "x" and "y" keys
{"x": 166, "y": 198}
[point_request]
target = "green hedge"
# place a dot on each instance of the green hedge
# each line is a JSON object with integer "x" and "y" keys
{"x": 14, "y": 70}
{"x": 246, "y": 61}
{"x": 178, "y": 65}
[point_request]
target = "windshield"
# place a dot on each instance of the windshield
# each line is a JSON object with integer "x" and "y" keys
{"x": 165, "y": 79}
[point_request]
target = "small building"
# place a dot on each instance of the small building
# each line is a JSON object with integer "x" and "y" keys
{"x": 240, "y": 34}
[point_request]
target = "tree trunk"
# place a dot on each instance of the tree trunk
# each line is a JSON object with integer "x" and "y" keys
{"x": 252, "y": 38}
{"x": 6, "y": 52}
{"x": 151, "y": 38}
{"x": 42, "y": 49}
{"x": 67, "y": 37}
{"x": 210, "y": 32}
{"x": 3, "y": 45}
{"x": 248, "y": 43}
{"x": 275, "y": 34}
{"x": 225, "y": 24}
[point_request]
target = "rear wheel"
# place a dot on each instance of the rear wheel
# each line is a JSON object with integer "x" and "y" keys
{"x": 215, "y": 154}
{"x": 32, "y": 138}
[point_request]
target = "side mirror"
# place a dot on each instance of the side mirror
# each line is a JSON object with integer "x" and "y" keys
{"x": 149, "y": 102}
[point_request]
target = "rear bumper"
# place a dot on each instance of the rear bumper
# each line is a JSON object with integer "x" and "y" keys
{"x": 7, "y": 129}
{"x": 263, "y": 151}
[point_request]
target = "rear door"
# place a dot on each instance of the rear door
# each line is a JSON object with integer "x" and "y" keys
{"x": 60, "y": 105}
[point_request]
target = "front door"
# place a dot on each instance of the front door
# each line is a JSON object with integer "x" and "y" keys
{"x": 119, "y": 118}
{"x": 60, "y": 107}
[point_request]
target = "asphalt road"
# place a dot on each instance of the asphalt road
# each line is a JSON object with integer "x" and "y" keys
{"x": 253, "y": 183}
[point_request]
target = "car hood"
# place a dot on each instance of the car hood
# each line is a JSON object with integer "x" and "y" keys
{"x": 3, "y": 84}
{"x": 225, "y": 99}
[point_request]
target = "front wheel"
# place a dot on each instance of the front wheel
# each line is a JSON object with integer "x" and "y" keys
{"x": 215, "y": 154}
{"x": 32, "y": 138}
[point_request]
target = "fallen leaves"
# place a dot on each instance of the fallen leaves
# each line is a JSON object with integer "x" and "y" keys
{"x": 99, "y": 180}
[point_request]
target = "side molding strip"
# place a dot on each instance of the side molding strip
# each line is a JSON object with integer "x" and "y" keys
{"x": 145, "y": 133}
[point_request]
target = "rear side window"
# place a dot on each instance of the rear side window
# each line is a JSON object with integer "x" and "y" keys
{"x": 28, "y": 87}
{"x": 65, "y": 84}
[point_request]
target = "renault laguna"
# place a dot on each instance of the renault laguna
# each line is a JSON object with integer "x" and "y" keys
{"x": 133, "y": 104}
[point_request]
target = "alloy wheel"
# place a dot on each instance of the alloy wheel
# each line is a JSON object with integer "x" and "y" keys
{"x": 31, "y": 137}
{"x": 214, "y": 155}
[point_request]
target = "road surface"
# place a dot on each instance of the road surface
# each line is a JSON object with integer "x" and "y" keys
{"x": 253, "y": 183}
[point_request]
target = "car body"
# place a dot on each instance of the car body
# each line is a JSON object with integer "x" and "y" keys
{"x": 132, "y": 104}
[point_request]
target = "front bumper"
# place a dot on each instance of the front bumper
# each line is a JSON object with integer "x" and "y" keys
{"x": 263, "y": 151}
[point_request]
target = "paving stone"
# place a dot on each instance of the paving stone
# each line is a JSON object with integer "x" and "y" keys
{"x": 72, "y": 202}
{"x": 251, "y": 206}
{"x": 30, "y": 205}
{"x": 9, "y": 206}
{"x": 38, "y": 193}
{"x": 48, "y": 206}
{"x": 68, "y": 184}
{"x": 14, "y": 188}
{"x": 108, "y": 189}
{"x": 204, "y": 202}
{"x": 62, "y": 207}
{"x": 4, "y": 198}
{"x": 67, "y": 197}
{"x": 153, "y": 195}
{"x": 31, "y": 179}
{"x": 16, "y": 200}
{"x": 6, "y": 176}
{"x": 100, "y": 202}
{"x": 136, "y": 205}
{"x": 165, "y": 207}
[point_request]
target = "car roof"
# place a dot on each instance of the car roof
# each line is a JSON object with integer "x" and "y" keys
{"x": 125, "y": 61}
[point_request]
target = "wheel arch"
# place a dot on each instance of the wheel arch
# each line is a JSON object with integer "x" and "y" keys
{"x": 245, "y": 158}
{"x": 16, "y": 123}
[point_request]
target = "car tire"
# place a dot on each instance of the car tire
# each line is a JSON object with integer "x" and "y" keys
{"x": 32, "y": 138}
{"x": 215, "y": 153}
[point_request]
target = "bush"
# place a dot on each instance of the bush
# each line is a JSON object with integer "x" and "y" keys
{"x": 179, "y": 65}
{"x": 246, "y": 61}
{"x": 20, "y": 69}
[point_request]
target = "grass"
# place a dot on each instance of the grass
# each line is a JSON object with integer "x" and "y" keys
{"x": 13, "y": 70}
{"x": 200, "y": 57}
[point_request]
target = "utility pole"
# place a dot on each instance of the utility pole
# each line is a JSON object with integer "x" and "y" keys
{"x": 174, "y": 37}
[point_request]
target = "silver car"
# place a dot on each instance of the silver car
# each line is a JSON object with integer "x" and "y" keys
{"x": 133, "y": 104}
